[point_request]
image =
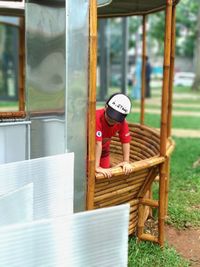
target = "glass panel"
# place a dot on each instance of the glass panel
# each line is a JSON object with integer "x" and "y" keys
{"x": 45, "y": 27}
{"x": 52, "y": 179}
{"x": 83, "y": 239}
{"x": 77, "y": 92}
{"x": 17, "y": 206}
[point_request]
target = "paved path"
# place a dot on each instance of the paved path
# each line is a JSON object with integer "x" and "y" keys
{"x": 180, "y": 95}
{"x": 175, "y": 112}
{"x": 157, "y": 103}
{"x": 186, "y": 133}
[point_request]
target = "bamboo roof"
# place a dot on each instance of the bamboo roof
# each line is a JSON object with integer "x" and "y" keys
{"x": 122, "y": 8}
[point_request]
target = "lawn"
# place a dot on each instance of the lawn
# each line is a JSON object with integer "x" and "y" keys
{"x": 184, "y": 195}
{"x": 146, "y": 254}
{"x": 8, "y": 104}
{"x": 179, "y": 122}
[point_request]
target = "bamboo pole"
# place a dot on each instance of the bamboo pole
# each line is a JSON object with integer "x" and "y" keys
{"x": 164, "y": 116}
{"x": 170, "y": 101}
{"x": 149, "y": 237}
{"x": 148, "y": 181}
{"x": 21, "y": 83}
{"x": 140, "y": 221}
{"x": 92, "y": 104}
{"x": 143, "y": 70}
{"x": 171, "y": 79}
{"x": 137, "y": 166}
{"x": 149, "y": 202}
{"x": 166, "y": 74}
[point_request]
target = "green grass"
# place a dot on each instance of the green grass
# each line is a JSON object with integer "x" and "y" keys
{"x": 146, "y": 254}
{"x": 184, "y": 195}
{"x": 187, "y": 101}
{"x": 8, "y": 103}
{"x": 175, "y": 108}
{"x": 179, "y": 122}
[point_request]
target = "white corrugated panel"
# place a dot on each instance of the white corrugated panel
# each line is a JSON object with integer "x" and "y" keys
{"x": 53, "y": 183}
{"x": 17, "y": 206}
{"x": 96, "y": 238}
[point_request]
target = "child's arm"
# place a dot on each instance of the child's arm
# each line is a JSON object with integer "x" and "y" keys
{"x": 105, "y": 172}
{"x": 126, "y": 166}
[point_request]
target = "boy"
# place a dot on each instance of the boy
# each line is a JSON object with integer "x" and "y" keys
{"x": 109, "y": 121}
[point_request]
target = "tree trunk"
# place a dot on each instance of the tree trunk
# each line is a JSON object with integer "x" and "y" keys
{"x": 196, "y": 84}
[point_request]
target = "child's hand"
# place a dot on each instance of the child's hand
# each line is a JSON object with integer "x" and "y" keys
{"x": 126, "y": 167}
{"x": 106, "y": 172}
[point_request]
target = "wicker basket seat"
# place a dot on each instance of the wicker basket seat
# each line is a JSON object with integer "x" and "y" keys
{"x": 121, "y": 188}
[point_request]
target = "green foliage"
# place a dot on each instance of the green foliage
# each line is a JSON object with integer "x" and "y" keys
{"x": 134, "y": 24}
{"x": 186, "y": 27}
{"x": 186, "y": 18}
{"x": 156, "y": 29}
{"x": 148, "y": 254}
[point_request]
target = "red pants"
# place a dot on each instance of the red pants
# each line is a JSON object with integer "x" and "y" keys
{"x": 105, "y": 162}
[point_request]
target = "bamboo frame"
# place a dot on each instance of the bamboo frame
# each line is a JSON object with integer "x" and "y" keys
{"x": 164, "y": 116}
{"x": 92, "y": 104}
{"x": 151, "y": 150}
{"x": 143, "y": 88}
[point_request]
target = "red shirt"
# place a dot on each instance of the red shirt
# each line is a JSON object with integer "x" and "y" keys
{"x": 104, "y": 132}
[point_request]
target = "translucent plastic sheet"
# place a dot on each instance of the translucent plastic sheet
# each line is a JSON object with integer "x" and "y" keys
{"x": 52, "y": 179}
{"x": 17, "y": 206}
{"x": 89, "y": 239}
{"x": 77, "y": 36}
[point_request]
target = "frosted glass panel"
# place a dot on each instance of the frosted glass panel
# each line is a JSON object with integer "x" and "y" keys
{"x": 89, "y": 239}
{"x": 52, "y": 179}
{"x": 45, "y": 70}
{"x": 77, "y": 32}
{"x": 17, "y": 206}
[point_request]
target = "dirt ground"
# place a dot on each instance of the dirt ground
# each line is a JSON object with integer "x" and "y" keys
{"x": 186, "y": 242}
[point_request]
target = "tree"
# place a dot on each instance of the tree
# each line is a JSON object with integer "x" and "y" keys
{"x": 196, "y": 85}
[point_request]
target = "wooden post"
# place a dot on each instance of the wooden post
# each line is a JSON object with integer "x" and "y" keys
{"x": 143, "y": 88}
{"x": 92, "y": 104}
{"x": 170, "y": 100}
{"x": 21, "y": 83}
{"x": 164, "y": 116}
{"x": 171, "y": 79}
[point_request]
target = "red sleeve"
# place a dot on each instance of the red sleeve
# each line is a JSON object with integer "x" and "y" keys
{"x": 124, "y": 133}
{"x": 98, "y": 127}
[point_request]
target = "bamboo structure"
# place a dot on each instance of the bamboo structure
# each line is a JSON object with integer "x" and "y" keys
{"x": 92, "y": 104}
{"x": 146, "y": 160}
{"x": 150, "y": 149}
{"x": 143, "y": 88}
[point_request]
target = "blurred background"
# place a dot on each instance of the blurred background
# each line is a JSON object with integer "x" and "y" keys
{"x": 120, "y": 47}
